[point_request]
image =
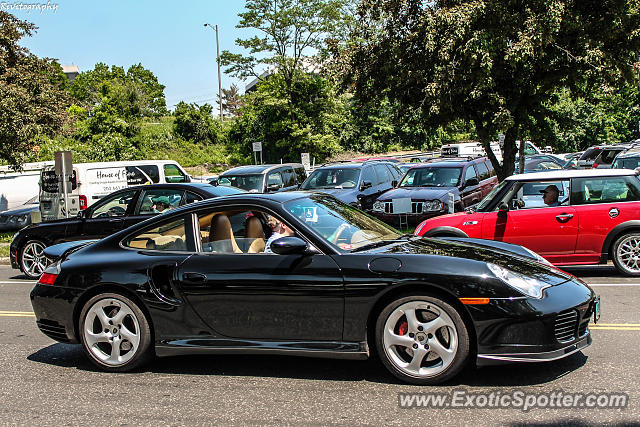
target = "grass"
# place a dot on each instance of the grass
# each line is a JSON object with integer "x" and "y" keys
{"x": 4, "y": 251}
{"x": 6, "y": 237}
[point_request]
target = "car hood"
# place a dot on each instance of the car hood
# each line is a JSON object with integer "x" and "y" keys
{"x": 21, "y": 211}
{"x": 419, "y": 193}
{"x": 468, "y": 250}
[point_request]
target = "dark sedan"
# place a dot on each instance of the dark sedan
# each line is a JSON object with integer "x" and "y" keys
{"x": 300, "y": 273}
{"x": 18, "y": 218}
{"x": 110, "y": 214}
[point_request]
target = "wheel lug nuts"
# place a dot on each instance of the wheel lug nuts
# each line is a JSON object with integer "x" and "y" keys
{"x": 419, "y": 328}
{"x": 411, "y": 335}
{"x": 426, "y": 346}
{"x": 415, "y": 346}
{"x": 430, "y": 336}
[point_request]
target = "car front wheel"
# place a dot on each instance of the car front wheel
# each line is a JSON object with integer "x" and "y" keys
{"x": 33, "y": 261}
{"x": 115, "y": 333}
{"x": 626, "y": 254}
{"x": 422, "y": 340}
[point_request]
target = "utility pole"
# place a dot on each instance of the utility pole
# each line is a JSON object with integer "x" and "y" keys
{"x": 219, "y": 74}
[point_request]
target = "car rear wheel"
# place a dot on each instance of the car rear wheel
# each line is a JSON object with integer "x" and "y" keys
{"x": 626, "y": 254}
{"x": 33, "y": 262}
{"x": 115, "y": 334}
{"x": 422, "y": 340}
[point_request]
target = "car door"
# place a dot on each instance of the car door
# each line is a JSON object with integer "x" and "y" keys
{"x": 261, "y": 296}
{"x": 471, "y": 192}
{"x": 106, "y": 216}
{"x": 550, "y": 231}
{"x": 274, "y": 182}
{"x": 368, "y": 191}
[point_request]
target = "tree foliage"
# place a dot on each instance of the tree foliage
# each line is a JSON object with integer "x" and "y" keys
{"x": 493, "y": 63}
{"x": 196, "y": 123}
{"x": 231, "y": 100}
{"x": 32, "y": 97}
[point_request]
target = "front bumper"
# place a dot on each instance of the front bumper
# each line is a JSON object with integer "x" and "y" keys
{"x": 546, "y": 356}
{"x": 412, "y": 218}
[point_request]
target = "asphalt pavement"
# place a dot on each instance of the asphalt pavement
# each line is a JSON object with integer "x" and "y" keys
{"x": 47, "y": 383}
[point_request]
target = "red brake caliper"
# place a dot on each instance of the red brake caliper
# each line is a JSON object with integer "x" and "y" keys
{"x": 402, "y": 330}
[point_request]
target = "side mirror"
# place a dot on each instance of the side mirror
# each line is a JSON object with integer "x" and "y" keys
{"x": 365, "y": 185}
{"x": 82, "y": 214}
{"x": 503, "y": 209}
{"x": 471, "y": 182}
{"x": 394, "y": 183}
{"x": 299, "y": 185}
{"x": 289, "y": 246}
{"x": 272, "y": 188}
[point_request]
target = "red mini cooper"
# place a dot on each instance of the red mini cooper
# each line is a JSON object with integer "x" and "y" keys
{"x": 569, "y": 217}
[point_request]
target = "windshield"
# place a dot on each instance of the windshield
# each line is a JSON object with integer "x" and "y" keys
{"x": 332, "y": 178}
{"x": 482, "y": 206}
{"x": 340, "y": 224}
{"x": 432, "y": 177}
{"x": 251, "y": 183}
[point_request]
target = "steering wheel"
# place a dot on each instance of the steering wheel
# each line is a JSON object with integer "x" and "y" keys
{"x": 116, "y": 211}
{"x": 344, "y": 226}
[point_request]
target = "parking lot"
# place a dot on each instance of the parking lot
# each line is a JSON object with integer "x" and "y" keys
{"x": 45, "y": 382}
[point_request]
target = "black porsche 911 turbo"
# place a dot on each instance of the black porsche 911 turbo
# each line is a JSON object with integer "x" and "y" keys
{"x": 112, "y": 213}
{"x": 304, "y": 274}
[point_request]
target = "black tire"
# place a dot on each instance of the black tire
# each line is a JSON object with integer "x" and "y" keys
{"x": 626, "y": 254}
{"x": 390, "y": 359}
{"x": 32, "y": 260}
{"x": 111, "y": 305}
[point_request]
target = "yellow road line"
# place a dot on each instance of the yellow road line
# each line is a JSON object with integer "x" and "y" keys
{"x": 612, "y": 324}
{"x": 16, "y": 315}
{"x": 614, "y": 328}
{"x": 16, "y": 312}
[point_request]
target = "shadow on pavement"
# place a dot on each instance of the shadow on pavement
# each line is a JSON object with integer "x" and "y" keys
{"x": 72, "y": 356}
{"x": 608, "y": 271}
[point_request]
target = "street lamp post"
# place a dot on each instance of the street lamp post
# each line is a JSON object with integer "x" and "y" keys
{"x": 218, "y": 61}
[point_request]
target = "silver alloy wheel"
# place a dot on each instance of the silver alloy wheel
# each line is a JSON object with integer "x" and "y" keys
{"x": 420, "y": 339}
{"x": 111, "y": 332}
{"x": 34, "y": 261}
{"x": 628, "y": 253}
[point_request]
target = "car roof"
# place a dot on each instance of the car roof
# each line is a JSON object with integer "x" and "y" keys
{"x": 566, "y": 174}
{"x": 632, "y": 152}
{"x": 452, "y": 161}
{"x": 257, "y": 169}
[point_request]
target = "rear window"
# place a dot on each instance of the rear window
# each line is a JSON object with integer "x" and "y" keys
{"x": 50, "y": 181}
{"x": 590, "y": 154}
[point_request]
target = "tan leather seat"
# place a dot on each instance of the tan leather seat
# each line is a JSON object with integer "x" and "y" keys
{"x": 221, "y": 231}
{"x": 254, "y": 233}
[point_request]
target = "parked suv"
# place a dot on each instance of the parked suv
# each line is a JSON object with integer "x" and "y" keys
{"x": 629, "y": 159}
{"x": 264, "y": 178}
{"x": 358, "y": 184}
{"x": 429, "y": 186}
{"x": 600, "y": 156}
{"x": 569, "y": 217}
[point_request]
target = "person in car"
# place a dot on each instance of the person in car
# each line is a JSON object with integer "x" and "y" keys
{"x": 550, "y": 195}
{"x": 161, "y": 204}
{"x": 279, "y": 229}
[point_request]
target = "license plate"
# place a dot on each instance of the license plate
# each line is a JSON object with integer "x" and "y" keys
{"x": 596, "y": 310}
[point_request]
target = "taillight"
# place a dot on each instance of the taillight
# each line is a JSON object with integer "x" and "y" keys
{"x": 83, "y": 202}
{"x": 47, "y": 279}
{"x": 595, "y": 166}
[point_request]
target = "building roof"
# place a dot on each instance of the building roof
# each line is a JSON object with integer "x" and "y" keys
{"x": 68, "y": 69}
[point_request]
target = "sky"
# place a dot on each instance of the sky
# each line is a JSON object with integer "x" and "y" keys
{"x": 166, "y": 37}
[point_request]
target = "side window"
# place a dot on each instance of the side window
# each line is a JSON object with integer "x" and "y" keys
{"x": 604, "y": 190}
{"x": 191, "y": 197}
{"x": 173, "y": 174}
{"x": 395, "y": 172}
{"x": 528, "y": 149}
{"x": 483, "y": 172}
{"x": 369, "y": 175}
{"x": 170, "y": 236}
{"x": 384, "y": 176}
{"x": 240, "y": 231}
{"x": 470, "y": 173}
{"x": 143, "y": 174}
{"x": 116, "y": 205}
{"x": 492, "y": 172}
{"x": 274, "y": 178}
{"x": 540, "y": 194}
{"x": 160, "y": 201}
{"x": 289, "y": 177}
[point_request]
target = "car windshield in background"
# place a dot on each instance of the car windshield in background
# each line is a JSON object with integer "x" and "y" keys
{"x": 432, "y": 177}
{"x": 630, "y": 163}
{"x": 332, "y": 178}
{"x": 340, "y": 224}
{"x": 251, "y": 183}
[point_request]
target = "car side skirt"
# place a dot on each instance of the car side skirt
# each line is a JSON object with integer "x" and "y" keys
{"x": 496, "y": 359}
{"x": 322, "y": 349}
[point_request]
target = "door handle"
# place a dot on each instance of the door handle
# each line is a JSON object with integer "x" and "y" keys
{"x": 116, "y": 219}
{"x": 194, "y": 277}
{"x": 564, "y": 217}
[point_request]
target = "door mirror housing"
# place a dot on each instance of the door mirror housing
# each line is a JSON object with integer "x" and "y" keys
{"x": 272, "y": 188}
{"x": 503, "y": 209}
{"x": 365, "y": 185}
{"x": 82, "y": 214}
{"x": 471, "y": 182}
{"x": 289, "y": 246}
{"x": 394, "y": 183}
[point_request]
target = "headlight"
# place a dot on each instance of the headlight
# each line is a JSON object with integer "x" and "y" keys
{"x": 378, "y": 206}
{"x": 527, "y": 285}
{"x": 432, "y": 205}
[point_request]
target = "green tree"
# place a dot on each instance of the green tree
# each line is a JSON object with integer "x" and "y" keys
{"x": 32, "y": 97}
{"x": 196, "y": 123}
{"x": 231, "y": 100}
{"x": 493, "y": 63}
{"x": 308, "y": 117}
